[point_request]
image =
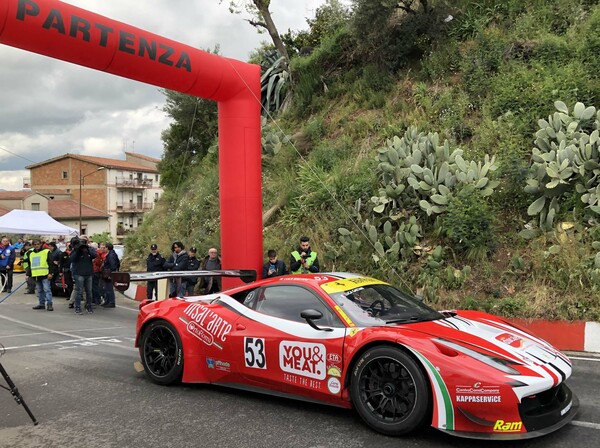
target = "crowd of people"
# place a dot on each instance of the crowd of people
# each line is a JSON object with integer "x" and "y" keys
{"x": 83, "y": 268}
{"x": 302, "y": 260}
{"x": 182, "y": 260}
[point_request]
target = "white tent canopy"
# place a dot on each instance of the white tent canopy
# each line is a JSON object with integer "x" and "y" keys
{"x": 33, "y": 223}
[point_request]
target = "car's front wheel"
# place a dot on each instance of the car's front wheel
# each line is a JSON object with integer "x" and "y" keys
{"x": 389, "y": 391}
{"x": 162, "y": 352}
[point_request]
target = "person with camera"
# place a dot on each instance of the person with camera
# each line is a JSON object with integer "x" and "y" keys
{"x": 303, "y": 259}
{"x": 273, "y": 267}
{"x": 81, "y": 261}
{"x": 111, "y": 264}
{"x": 178, "y": 261}
{"x": 40, "y": 262}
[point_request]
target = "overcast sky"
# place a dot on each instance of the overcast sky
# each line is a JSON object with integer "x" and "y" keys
{"x": 49, "y": 107}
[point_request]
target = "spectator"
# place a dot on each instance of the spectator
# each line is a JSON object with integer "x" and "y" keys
{"x": 193, "y": 265}
{"x": 56, "y": 256}
{"x": 212, "y": 262}
{"x": 30, "y": 281}
{"x": 97, "y": 281}
{"x": 273, "y": 267}
{"x": 81, "y": 266}
{"x": 177, "y": 262}
{"x": 19, "y": 244}
{"x": 154, "y": 263}
{"x": 303, "y": 259}
{"x": 7, "y": 260}
{"x": 40, "y": 261}
{"x": 111, "y": 264}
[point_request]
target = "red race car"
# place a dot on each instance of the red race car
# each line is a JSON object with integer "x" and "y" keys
{"x": 354, "y": 341}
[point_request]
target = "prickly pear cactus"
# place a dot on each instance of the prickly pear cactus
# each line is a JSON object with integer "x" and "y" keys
{"x": 419, "y": 171}
{"x": 565, "y": 161}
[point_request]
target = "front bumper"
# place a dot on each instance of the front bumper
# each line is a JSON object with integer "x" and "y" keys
{"x": 541, "y": 414}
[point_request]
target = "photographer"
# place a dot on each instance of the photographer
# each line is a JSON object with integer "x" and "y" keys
{"x": 81, "y": 259}
{"x": 303, "y": 259}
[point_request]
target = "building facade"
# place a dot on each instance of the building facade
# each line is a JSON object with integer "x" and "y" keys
{"x": 125, "y": 190}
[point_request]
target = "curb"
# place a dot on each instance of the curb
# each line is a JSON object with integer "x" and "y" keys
{"x": 577, "y": 336}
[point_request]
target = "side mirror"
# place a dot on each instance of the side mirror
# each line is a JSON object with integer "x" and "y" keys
{"x": 310, "y": 315}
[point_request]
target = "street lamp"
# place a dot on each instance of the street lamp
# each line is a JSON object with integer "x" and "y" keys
{"x": 81, "y": 178}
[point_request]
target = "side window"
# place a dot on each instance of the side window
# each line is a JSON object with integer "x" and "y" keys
{"x": 287, "y": 302}
{"x": 245, "y": 297}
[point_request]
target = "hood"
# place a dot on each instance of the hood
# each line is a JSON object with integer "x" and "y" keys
{"x": 538, "y": 363}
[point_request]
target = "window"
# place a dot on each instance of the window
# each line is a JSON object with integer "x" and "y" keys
{"x": 35, "y": 206}
{"x": 287, "y": 302}
{"x": 156, "y": 177}
{"x": 65, "y": 174}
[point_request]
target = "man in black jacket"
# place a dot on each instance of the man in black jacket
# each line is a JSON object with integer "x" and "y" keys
{"x": 81, "y": 260}
{"x": 193, "y": 265}
{"x": 154, "y": 263}
{"x": 178, "y": 261}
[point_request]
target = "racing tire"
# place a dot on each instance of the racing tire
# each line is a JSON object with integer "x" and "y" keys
{"x": 389, "y": 391}
{"x": 161, "y": 352}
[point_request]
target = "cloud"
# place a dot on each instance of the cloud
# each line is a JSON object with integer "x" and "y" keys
{"x": 49, "y": 107}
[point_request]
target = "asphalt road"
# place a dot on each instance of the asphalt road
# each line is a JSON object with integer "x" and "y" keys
{"x": 76, "y": 374}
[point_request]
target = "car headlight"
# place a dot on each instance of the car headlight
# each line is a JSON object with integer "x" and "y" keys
{"x": 492, "y": 361}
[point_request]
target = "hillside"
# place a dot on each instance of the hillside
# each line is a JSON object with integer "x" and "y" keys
{"x": 452, "y": 151}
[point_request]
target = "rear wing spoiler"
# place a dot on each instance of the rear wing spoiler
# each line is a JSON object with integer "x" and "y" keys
{"x": 122, "y": 280}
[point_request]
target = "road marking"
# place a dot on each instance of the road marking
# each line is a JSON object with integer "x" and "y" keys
{"x": 79, "y": 341}
{"x": 586, "y": 424}
{"x": 585, "y": 359}
{"x": 73, "y": 331}
{"x": 62, "y": 333}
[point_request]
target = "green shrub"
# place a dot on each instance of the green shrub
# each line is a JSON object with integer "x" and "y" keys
{"x": 469, "y": 224}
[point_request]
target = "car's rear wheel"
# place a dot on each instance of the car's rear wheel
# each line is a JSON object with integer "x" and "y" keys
{"x": 389, "y": 391}
{"x": 162, "y": 352}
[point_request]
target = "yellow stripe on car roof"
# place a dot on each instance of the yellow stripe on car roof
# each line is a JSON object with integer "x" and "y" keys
{"x": 347, "y": 284}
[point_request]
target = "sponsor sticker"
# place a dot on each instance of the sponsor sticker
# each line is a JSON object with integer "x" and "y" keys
{"x": 511, "y": 339}
{"x": 334, "y": 371}
{"x": 352, "y": 332}
{"x": 303, "y": 358}
{"x": 478, "y": 394}
{"x": 334, "y": 386}
{"x": 218, "y": 364}
{"x": 334, "y": 358}
{"x": 503, "y": 426}
{"x": 210, "y": 363}
{"x": 206, "y": 325}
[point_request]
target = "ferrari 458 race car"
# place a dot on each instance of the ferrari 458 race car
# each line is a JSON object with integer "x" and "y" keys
{"x": 357, "y": 342}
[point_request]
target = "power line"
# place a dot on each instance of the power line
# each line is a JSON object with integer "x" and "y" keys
{"x": 16, "y": 155}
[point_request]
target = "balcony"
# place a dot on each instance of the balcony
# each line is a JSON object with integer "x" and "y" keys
{"x": 123, "y": 182}
{"x": 134, "y": 207}
{"x": 122, "y": 231}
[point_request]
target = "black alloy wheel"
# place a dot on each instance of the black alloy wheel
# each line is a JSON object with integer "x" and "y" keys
{"x": 389, "y": 391}
{"x": 162, "y": 353}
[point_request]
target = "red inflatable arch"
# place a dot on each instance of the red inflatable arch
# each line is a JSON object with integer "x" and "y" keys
{"x": 63, "y": 31}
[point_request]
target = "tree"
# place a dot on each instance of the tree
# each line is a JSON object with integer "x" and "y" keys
{"x": 329, "y": 18}
{"x": 187, "y": 139}
{"x": 261, "y": 20}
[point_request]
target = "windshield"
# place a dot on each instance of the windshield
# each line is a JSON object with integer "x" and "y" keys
{"x": 380, "y": 304}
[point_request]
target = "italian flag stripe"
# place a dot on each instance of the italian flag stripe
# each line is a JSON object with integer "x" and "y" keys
{"x": 445, "y": 412}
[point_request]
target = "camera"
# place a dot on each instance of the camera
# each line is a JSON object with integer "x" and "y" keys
{"x": 77, "y": 243}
